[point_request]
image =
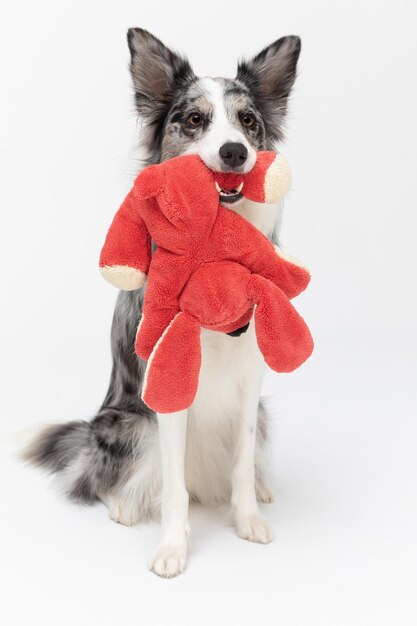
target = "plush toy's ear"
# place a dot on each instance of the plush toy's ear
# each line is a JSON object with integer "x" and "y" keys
{"x": 183, "y": 188}
{"x": 149, "y": 183}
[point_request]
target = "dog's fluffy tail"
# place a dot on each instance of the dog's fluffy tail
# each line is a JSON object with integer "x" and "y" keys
{"x": 88, "y": 457}
{"x": 64, "y": 449}
{"x": 55, "y": 447}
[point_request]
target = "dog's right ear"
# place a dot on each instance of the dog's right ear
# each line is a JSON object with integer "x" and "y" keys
{"x": 156, "y": 72}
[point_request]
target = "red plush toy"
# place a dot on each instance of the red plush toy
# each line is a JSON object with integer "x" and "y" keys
{"x": 211, "y": 267}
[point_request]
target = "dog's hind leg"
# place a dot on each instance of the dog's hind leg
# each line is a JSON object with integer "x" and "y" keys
{"x": 169, "y": 558}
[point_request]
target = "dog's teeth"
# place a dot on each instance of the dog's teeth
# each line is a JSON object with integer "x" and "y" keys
{"x": 228, "y": 192}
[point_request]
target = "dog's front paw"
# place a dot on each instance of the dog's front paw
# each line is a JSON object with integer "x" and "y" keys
{"x": 253, "y": 528}
{"x": 168, "y": 560}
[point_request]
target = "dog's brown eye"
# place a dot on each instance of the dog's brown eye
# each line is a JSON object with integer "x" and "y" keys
{"x": 195, "y": 119}
{"x": 248, "y": 120}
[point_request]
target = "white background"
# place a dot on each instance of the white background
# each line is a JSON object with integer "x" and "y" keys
{"x": 344, "y": 426}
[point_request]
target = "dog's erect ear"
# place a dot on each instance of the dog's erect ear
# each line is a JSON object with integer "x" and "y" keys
{"x": 156, "y": 71}
{"x": 270, "y": 76}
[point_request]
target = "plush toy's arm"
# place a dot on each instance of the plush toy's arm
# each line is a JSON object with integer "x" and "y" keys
{"x": 241, "y": 242}
{"x": 269, "y": 181}
{"x": 126, "y": 254}
{"x": 297, "y": 275}
{"x": 284, "y": 271}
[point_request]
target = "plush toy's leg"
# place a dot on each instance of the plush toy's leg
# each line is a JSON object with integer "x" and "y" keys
{"x": 151, "y": 328}
{"x": 166, "y": 281}
{"x": 283, "y": 336}
{"x": 246, "y": 245}
{"x": 171, "y": 376}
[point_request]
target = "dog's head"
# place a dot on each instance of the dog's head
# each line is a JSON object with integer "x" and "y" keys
{"x": 224, "y": 121}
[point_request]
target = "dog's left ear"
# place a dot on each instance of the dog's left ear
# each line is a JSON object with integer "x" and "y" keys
{"x": 270, "y": 76}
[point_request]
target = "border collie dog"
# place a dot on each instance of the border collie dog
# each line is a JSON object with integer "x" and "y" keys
{"x": 139, "y": 463}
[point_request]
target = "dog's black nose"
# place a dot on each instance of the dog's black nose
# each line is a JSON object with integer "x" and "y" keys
{"x": 233, "y": 154}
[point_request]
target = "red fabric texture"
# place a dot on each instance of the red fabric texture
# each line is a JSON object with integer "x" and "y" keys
{"x": 173, "y": 388}
{"x": 211, "y": 264}
{"x": 283, "y": 336}
{"x": 128, "y": 242}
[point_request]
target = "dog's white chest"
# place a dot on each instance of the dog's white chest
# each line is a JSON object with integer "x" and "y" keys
{"x": 227, "y": 364}
{"x": 214, "y": 416}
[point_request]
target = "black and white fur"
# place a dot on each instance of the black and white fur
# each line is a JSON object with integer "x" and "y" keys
{"x": 134, "y": 461}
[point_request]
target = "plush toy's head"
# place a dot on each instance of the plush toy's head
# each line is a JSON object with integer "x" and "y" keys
{"x": 186, "y": 189}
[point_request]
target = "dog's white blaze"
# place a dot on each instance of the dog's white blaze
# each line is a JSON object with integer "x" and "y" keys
{"x": 265, "y": 217}
{"x": 221, "y": 130}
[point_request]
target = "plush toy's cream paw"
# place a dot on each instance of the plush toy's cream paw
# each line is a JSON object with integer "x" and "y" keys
{"x": 290, "y": 259}
{"x": 123, "y": 277}
{"x": 277, "y": 180}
